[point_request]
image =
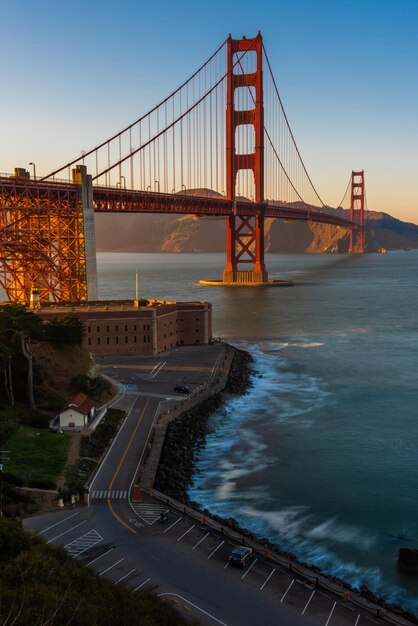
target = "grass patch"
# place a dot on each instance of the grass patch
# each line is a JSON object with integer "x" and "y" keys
{"x": 10, "y": 413}
{"x": 37, "y": 456}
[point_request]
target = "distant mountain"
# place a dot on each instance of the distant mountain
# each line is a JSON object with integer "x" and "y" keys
{"x": 188, "y": 233}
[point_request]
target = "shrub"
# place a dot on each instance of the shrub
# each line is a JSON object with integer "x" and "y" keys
{"x": 67, "y": 330}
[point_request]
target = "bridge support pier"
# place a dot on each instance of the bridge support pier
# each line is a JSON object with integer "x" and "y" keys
{"x": 81, "y": 177}
{"x": 357, "y": 212}
{"x": 245, "y": 244}
{"x": 47, "y": 240}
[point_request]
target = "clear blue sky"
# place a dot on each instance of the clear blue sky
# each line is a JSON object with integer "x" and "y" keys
{"x": 73, "y": 73}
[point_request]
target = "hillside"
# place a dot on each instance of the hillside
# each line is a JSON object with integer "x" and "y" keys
{"x": 189, "y": 233}
{"x": 41, "y": 584}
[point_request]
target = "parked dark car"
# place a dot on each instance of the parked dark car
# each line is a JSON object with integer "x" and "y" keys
{"x": 181, "y": 389}
{"x": 240, "y": 555}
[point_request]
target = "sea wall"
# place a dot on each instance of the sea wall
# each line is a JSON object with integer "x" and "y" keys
{"x": 187, "y": 434}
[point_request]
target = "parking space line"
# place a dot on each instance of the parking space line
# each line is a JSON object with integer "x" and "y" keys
{"x": 245, "y": 573}
{"x": 57, "y": 524}
{"x": 357, "y": 620}
{"x": 126, "y": 575}
{"x": 267, "y": 579}
{"x": 99, "y": 557}
{"x": 112, "y": 566}
{"x": 142, "y": 584}
{"x": 310, "y": 598}
{"x": 217, "y": 548}
{"x": 187, "y": 531}
{"x": 173, "y": 524}
{"x": 226, "y": 565}
{"x": 330, "y": 615}
{"x": 67, "y": 531}
{"x": 285, "y": 593}
{"x": 200, "y": 541}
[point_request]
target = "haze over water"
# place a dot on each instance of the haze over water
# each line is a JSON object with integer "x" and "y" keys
{"x": 321, "y": 455}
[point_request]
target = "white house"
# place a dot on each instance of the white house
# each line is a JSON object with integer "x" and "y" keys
{"x": 77, "y": 412}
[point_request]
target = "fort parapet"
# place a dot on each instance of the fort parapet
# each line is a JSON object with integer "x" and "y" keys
{"x": 142, "y": 327}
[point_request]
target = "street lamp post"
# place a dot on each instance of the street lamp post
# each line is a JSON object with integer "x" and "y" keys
{"x": 34, "y": 170}
{"x": 183, "y": 187}
{"x": 124, "y": 181}
{"x": 157, "y": 182}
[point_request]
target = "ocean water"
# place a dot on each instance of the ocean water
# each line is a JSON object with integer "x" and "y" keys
{"x": 321, "y": 455}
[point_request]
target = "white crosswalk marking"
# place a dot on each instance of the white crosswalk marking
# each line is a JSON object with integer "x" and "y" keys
{"x": 148, "y": 512}
{"x": 113, "y": 494}
{"x": 83, "y": 543}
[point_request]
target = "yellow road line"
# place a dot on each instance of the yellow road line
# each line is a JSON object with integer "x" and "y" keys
{"x": 127, "y": 447}
{"x": 109, "y": 504}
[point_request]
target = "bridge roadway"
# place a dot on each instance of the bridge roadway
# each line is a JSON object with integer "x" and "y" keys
{"x": 181, "y": 560}
{"x": 114, "y": 199}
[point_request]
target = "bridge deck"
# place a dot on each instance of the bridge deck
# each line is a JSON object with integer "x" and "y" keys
{"x": 116, "y": 200}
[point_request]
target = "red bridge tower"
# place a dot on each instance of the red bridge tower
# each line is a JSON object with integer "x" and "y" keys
{"x": 244, "y": 234}
{"x": 357, "y": 212}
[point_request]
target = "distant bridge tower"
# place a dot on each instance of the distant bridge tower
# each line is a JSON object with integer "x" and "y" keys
{"x": 357, "y": 212}
{"x": 245, "y": 234}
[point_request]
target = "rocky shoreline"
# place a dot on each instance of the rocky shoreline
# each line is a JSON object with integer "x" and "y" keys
{"x": 187, "y": 435}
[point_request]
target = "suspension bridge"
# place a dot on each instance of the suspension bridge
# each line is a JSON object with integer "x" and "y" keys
{"x": 219, "y": 145}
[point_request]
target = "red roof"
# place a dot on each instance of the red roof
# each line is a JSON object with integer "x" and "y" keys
{"x": 86, "y": 406}
{"x": 81, "y": 403}
{"x": 78, "y": 399}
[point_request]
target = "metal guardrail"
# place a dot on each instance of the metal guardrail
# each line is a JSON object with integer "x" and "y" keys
{"x": 314, "y": 578}
{"x": 52, "y": 179}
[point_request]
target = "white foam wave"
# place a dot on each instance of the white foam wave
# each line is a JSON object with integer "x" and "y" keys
{"x": 295, "y": 523}
{"x": 288, "y": 522}
{"x": 330, "y": 530}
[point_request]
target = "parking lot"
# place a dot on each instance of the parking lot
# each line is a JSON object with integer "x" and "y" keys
{"x": 91, "y": 547}
{"x": 309, "y": 600}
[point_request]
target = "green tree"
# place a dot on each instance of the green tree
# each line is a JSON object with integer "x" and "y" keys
{"x": 68, "y": 329}
{"x": 6, "y": 368}
{"x": 19, "y": 324}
